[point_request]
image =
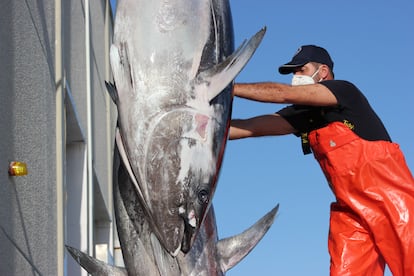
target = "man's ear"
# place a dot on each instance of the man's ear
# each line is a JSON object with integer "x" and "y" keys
{"x": 324, "y": 72}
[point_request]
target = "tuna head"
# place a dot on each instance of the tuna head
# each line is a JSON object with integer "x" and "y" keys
{"x": 180, "y": 172}
{"x": 173, "y": 65}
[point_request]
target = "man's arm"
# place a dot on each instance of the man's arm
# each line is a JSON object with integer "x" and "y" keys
{"x": 265, "y": 125}
{"x": 272, "y": 92}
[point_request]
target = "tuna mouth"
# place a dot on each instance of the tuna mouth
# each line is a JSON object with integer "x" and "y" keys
{"x": 190, "y": 226}
{"x": 180, "y": 234}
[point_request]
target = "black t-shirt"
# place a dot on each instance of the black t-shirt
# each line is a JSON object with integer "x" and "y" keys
{"x": 353, "y": 109}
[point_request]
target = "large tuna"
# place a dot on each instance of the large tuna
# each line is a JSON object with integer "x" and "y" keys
{"x": 144, "y": 255}
{"x": 173, "y": 65}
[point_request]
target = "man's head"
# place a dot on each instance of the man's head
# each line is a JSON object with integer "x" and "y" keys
{"x": 308, "y": 60}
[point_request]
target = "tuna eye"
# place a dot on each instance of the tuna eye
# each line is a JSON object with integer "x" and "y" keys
{"x": 203, "y": 196}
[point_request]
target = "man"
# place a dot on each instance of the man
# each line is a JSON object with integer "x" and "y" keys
{"x": 372, "y": 220}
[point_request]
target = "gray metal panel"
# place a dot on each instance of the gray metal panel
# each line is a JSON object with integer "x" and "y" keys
{"x": 7, "y": 253}
{"x": 74, "y": 55}
{"x": 28, "y": 222}
{"x": 28, "y": 203}
{"x": 100, "y": 97}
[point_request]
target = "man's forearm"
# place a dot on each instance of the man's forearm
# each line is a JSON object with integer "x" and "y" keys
{"x": 262, "y": 92}
{"x": 239, "y": 129}
{"x": 264, "y": 125}
{"x": 273, "y": 92}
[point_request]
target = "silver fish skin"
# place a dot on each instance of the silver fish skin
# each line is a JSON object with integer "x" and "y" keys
{"x": 173, "y": 64}
{"x": 144, "y": 255}
{"x": 174, "y": 105}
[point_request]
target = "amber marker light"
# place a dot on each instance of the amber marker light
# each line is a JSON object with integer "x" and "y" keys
{"x": 17, "y": 168}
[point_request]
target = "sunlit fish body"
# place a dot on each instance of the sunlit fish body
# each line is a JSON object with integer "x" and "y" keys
{"x": 173, "y": 64}
{"x": 145, "y": 256}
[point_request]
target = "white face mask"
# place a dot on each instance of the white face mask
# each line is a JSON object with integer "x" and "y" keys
{"x": 303, "y": 79}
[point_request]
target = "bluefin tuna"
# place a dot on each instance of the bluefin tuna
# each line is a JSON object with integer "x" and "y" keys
{"x": 173, "y": 63}
{"x": 144, "y": 255}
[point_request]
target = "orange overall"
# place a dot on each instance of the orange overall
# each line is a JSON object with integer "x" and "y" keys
{"x": 372, "y": 221}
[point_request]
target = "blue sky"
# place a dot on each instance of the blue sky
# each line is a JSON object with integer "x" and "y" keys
{"x": 372, "y": 45}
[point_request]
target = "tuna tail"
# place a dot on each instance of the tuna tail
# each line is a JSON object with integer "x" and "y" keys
{"x": 232, "y": 250}
{"x": 212, "y": 81}
{"x": 93, "y": 266}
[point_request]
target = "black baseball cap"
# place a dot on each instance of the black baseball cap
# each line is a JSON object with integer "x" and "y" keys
{"x": 305, "y": 54}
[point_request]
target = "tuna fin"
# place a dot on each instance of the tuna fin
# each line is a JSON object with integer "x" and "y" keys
{"x": 112, "y": 91}
{"x": 127, "y": 165}
{"x": 232, "y": 250}
{"x": 212, "y": 81}
{"x": 93, "y": 266}
{"x": 124, "y": 158}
